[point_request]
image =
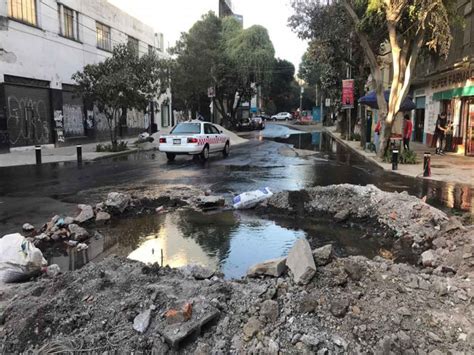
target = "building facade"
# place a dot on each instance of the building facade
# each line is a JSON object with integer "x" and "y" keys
{"x": 447, "y": 85}
{"x": 42, "y": 44}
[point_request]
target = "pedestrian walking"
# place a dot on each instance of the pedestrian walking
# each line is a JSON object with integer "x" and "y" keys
{"x": 440, "y": 132}
{"x": 378, "y": 128}
{"x": 407, "y": 131}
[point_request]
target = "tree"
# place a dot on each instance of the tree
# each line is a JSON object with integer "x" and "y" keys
{"x": 218, "y": 53}
{"x": 406, "y": 27}
{"x": 331, "y": 50}
{"x": 410, "y": 25}
{"x": 123, "y": 81}
{"x": 278, "y": 90}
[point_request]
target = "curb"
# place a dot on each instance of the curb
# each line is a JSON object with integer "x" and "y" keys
{"x": 398, "y": 172}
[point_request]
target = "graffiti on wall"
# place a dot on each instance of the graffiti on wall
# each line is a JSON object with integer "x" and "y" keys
{"x": 59, "y": 125}
{"x": 73, "y": 120}
{"x": 137, "y": 119}
{"x": 27, "y": 121}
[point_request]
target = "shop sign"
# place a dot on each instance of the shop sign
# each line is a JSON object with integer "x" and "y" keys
{"x": 454, "y": 78}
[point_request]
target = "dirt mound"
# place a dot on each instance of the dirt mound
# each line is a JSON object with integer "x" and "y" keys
{"x": 352, "y": 304}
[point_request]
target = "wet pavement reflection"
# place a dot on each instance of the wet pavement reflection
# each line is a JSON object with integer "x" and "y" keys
{"x": 230, "y": 241}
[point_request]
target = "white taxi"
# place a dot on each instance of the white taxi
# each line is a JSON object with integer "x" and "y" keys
{"x": 195, "y": 138}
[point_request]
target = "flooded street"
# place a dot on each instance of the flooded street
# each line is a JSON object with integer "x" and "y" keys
{"x": 230, "y": 241}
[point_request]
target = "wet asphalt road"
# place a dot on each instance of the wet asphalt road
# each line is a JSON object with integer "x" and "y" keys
{"x": 34, "y": 194}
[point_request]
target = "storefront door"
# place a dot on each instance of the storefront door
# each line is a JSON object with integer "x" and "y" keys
{"x": 419, "y": 124}
{"x": 470, "y": 130}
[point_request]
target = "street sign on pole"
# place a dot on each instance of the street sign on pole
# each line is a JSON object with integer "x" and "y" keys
{"x": 348, "y": 93}
{"x": 328, "y": 102}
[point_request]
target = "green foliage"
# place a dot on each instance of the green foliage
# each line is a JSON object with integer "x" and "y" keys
{"x": 121, "y": 146}
{"x": 405, "y": 157}
{"x": 123, "y": 81}
{"x": 355, "y": 136}
{"x": 219, "y": 53}
{"x": 281, "y": 92}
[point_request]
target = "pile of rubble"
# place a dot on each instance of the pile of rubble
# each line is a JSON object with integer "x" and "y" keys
{"x": 71, "y": 229}
{"x": 311, "y": 303}
{"x": 444, "y": 243}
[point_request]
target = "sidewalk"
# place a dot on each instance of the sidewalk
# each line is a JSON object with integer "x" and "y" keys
{"x": 448, "y": 168}
{"x": 65, "y": 154}
{"x": 62, "y": 154}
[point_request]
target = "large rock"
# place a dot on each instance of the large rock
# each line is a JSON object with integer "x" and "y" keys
{"x": 301, "y": 262}
{"x": 28, "y": 227}
{"x": 117, "y": 201}
{"x": 87, "y": 213}
{"x": 322, "y": 256}
{"x": 251, "y": 328}
{"x": 273, "y": 267}
{"x": 354, "y": 269}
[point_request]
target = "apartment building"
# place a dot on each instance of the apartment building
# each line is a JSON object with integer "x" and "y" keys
{"x": 42, "y": 44}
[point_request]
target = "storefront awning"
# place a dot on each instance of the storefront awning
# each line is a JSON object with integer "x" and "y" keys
{"x": 449, "y": 94}
{"x": 371, "y": 100}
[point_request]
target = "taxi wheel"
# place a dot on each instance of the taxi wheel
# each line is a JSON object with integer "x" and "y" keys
{"x": 205, "y": 153}
{"x": 170, "y": 156}
{"x": 226, "y": 150}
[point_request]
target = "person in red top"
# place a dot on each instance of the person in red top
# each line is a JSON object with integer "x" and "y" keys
{"x": 407, "y": 130}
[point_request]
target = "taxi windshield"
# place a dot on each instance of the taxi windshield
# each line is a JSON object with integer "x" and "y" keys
{"x": 187, "y": 128}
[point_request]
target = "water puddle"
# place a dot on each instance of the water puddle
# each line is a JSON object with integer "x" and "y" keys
{"x": 230, "y": 241}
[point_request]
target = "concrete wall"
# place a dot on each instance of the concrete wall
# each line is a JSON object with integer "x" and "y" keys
{"x": 41, "y": 52}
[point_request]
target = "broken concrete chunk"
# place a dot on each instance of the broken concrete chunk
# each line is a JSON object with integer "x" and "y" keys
{"x": 78, "y": 233}
{"x": 301, "y": 262}
{"x": 342, "y": 216}
{"x": 87, "y": 213}
{"x": 28, "y": 227}
{"x": 202, "y": 313}
{"x": 117, "y": 201}
{"x": 210, "y": 202}
{"x": 102, "y": 217}
{"x": 251, "y": 328}
{"x": 270, "y": 310}
{"x": 197, "y": 271}
{"x": 273, "y": 267}
{"x": 428, "y": 258}
{"x": 354, "y": 270}
{"x": 322, "y": 256}
{"x": 142, "y": 321}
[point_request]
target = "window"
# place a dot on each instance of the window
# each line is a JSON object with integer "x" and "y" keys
{"x": 187, "y": 128}
{"x": 215, "y": 130}
{"x": 23, "y": 10}
{"x": 151, "y": 50}
{"x": 103, "y": 37}
{"x": 133, "y": 44}
{"x": 70, "y": 23}
{"x": 208, "y": 129}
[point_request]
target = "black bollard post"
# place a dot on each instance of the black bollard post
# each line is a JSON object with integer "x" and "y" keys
{"x": 395, "y": 159}
{"x": 79, "y": 154}
{"x": 38, "y": 154}
{"x": 427, "y": 164}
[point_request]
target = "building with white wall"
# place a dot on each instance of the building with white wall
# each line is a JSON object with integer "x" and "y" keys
{"x": 42, "y": 44}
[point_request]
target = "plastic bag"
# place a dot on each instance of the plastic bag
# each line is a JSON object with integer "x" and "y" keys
{"x": 19, "y": 259}
{"x": 251, "y": 198}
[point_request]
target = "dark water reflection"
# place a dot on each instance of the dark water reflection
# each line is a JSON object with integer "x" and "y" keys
{"x": 230, "y": 241}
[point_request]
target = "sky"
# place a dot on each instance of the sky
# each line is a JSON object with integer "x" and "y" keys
{"x": 171, "y": 17}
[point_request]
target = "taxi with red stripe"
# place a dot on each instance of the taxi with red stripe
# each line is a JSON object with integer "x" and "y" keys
{"x": 195, "y": 138}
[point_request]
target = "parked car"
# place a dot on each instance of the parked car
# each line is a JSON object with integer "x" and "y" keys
{"x": 245, "y": 124}
{"x": 195, "y": 138}
{"x": 258, "y": 122}
{"x": 282, "y": 116}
